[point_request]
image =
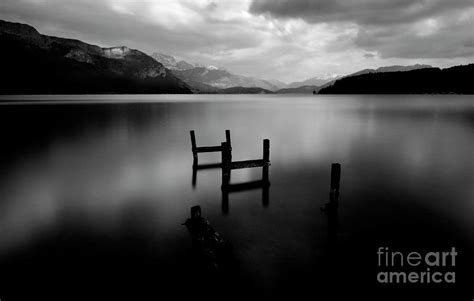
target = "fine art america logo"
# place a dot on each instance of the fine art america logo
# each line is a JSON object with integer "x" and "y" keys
{"x": 416, "y": 267}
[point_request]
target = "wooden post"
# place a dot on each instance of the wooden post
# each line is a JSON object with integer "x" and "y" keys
{"x": 266, "y": 150}
{"x": 266, "y": 159}
{"x": 265, "y": 178}
{"x": 195, "y": 211}
{"x": 225, "y": 154}
{"x": 227, "y": 139}
{"x": 193, "y": 147}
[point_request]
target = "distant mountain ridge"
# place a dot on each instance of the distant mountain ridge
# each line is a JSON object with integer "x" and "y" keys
{"x": 319, "y": 82}
{"x": 222, "y": 79}
{"x": 314, "y": 81}
{"x": 299, "y": 90}
{"x": 394, "y": 68}
{"x": 244, "y": 90}
{"x": 171, "y": 63}
{"x": 457, "y": 79}
{"x": 36, "y": 63}
{"x": 201, "y": 77}
{"x": 33, "y": 63}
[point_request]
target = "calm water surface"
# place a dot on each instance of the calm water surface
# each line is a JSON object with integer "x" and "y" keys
{"x": 93, "y": 192}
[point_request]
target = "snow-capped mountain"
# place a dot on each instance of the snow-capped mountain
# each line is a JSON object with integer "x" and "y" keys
{"x": 315, "y": 81}
{"x": 221, "y": 79}
{"x": 211, "y": 77}
{"x": 171, "y": 63}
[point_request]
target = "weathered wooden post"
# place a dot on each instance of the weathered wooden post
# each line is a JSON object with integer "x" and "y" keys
{"x": 226, "y": 160}
{"x": 266, "y": 160}
{"x": 265, "y": 177}
{"x": 195, "y": 211}
{"x": 227, "y": 138}
{"x": 193, "y": 147}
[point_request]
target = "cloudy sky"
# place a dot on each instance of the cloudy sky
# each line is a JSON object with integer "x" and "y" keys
{"x": 288, "y": 40}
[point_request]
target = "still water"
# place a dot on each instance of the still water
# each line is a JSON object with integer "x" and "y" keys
{"x": 94, "y": 191}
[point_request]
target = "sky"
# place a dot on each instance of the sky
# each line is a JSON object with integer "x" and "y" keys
{"x": 288, "y": 40}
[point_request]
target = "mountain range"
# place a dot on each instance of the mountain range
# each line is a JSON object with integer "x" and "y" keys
{"x": 314, "y": 81}
{"x": 171, "y": 63}
{"x": 210, "y": 79}
{"x": 457, "y": 79}
{"x": 221, "y": 79}
{"x": 33, "y": 63}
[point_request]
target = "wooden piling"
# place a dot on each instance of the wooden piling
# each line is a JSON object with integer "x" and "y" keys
{"x": 266, "y": 150}
{"x": 266, "y": 159}
{"x": 225, "y": 162}
{"x": 227, "y": 138}
{"x": 193, "y": 146}
{"x": 195, "y": 211}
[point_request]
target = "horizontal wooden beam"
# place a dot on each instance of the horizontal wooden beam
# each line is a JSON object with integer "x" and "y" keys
{"x": 249, "y": 164}
{"x": 207, "y": 166}
{"x": 208, "y": 149}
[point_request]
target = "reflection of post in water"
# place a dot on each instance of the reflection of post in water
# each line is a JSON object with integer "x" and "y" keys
{"x": 331, "y": 208}
{"x": 197, "y": 167}
{"x": 228, "y": 165}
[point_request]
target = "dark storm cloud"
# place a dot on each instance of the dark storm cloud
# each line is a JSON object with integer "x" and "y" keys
{"x": 98, "y": 22}
{"x": 447, "y": 41}
{"x": 369, "y": 12}
{"x": 288, "y": 40}
{"x": 393, "y": 28}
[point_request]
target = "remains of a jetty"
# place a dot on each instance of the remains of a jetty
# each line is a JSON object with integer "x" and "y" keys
{"x": 227, "y": 165}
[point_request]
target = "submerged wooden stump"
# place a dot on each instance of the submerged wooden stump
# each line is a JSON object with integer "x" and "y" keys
{"x": 213, "y": 250}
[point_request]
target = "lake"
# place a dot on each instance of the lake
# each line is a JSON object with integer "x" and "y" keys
{"x": 94, "y": 191}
